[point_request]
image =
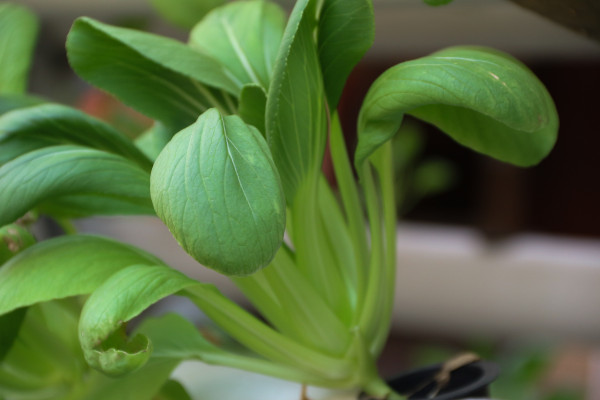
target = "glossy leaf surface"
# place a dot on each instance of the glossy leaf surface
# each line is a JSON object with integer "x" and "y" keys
{"x": 215, "y": 186}
{"x": 245, "y": 37}
{"x": 18, "y": 29}
{"x": 160, "y": 77}
{"x": 35, "y": 127}
{"x": 296, "y": 120}
{"x": 184, "y": 13}
{"x": 66, "y": 171}
{"x": 74, "y": 264}
{"x": 346, "y": 32}
{"x": 483, "y": 99}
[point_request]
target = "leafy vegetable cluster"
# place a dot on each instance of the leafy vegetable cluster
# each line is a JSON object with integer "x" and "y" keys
{"x": 243, "y": 112}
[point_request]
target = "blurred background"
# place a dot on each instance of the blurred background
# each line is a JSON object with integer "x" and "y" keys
{"x": 491, "y": 258}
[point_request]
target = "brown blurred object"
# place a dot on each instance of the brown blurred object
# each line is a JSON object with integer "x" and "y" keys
{"x": 582, "y": 16}
{"x": 125, "y": 119}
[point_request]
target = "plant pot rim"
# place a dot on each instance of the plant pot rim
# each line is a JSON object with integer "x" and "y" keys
{"x": 484, "y": 373}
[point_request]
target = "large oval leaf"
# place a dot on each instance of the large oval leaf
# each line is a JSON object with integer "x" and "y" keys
{"x": 57, "y": 171}
{"x": 215, "y": 186}
{"x": 245, "y": 37}
{"x": 62, "y": 267}
{"x": 483, "y": 99}
{"x": 160, "y": 77}
{"x": 45, "y": 125}
{"x": 18, "y": 29}
{"x": 296, "y": 115}
{"x": 346, "y": 32}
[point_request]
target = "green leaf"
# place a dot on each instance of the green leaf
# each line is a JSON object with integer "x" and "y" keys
{"x": 14, "y": 238}
{"x": 11, "y": 102}
{"x": 483, "y": 99}
{"x": 436, "y": 3}
{"x": 18, "y": 29}
{"x": 152, "y": 141}
{"x": 172, "y": 390}
{"x": 160, "y": 77}
{"x": 215, "y": 186}
{"x": 245, "y": 37}
{"x": 296, "y": 119}
{"x": 31, "y": 128}
{"x": 102, "y": 324}
{"x": 53, "y": 172}
{"x": 9, "y": 328}
{"x": 346, "y": 32}
{"x": 184, "y": 13}
{"x": 253, "y": 103}
{"x": 63, "y": 267}
{"x": 142, "y": 384}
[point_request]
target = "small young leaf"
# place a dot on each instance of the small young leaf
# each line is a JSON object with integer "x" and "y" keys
{"x": 75, "y": 264}
{"x": 296, "y": 119}
{"x": 31, "y": 128}
{"x": 184, "y": 13}
{"x": 18, "y": 29}
{"x": 66, "y": 171}
{"x": 215, "y": 186}
{"x": 483, "y": 99}
{"x": 252, "y": 108}
{"x": 159, "y": 77}
{"x": 245, "y": 37}
{"x": 14, "y": 238}
{"x": 346, "y": 32}
{"x": 120, "y": 298}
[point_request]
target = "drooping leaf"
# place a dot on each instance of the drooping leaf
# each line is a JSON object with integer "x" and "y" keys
{"x": 245, "y": 37}
{"x": 184, "y": 13}
{"x": 62, "y": 267}
{"x": 296, "y": 113}
{"x": 215, "y": 186}
{"x": 252, "y": 108}
{"x": 45, "y": 125}
{"x": 18, "y": 29}
{"x": 102, "y": 325}
{"x": 65, "y": 171}
{"x": 159, "y": 77}
{"x": 346, "y": 32}
{"x": 483, "y": 99}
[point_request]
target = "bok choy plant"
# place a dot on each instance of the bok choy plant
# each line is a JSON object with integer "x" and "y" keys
{"x": 232, "y": 166}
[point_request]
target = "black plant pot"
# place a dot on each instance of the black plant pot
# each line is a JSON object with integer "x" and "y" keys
{"x": 469, "y": 381}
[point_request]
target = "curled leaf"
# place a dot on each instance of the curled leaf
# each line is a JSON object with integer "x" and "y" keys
{"x": 120, "y": 298}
